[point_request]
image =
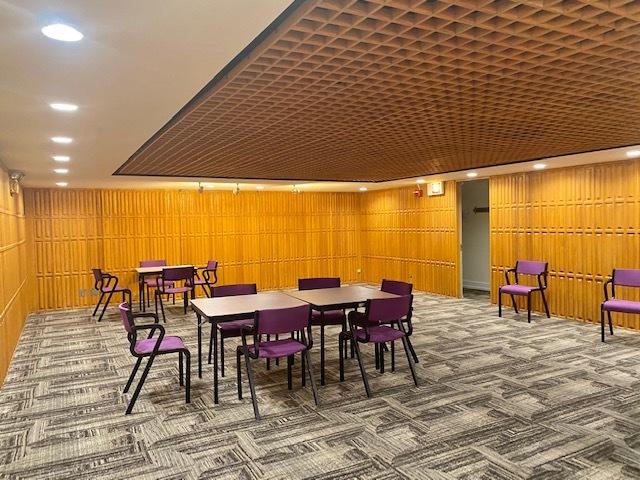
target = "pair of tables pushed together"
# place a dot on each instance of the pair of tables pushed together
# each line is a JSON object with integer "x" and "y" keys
{"x": 224, "y": 309}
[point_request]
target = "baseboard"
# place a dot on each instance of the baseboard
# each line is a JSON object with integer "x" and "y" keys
{"x": 475, "y": 285}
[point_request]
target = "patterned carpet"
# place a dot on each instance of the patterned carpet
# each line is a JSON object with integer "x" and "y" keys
{"x": 498, "y": 399}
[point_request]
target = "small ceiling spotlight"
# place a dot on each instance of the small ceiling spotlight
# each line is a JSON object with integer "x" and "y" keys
{"x": 61, "y": 170}
{"x": 61, "y": 139}
{"x": 633, "y": 154}
{"x": 472, "y": 174}
{"x": 62, "y": 184}
{"x": 540, "y": 166}
{"x": 61, "y": 158}
{"x": 259, "y": 187}
{"x": 420, "y": 181}
{"x": 363, "y": 189}
{"x": 236, "y": 189}
{"x": 62, "y": 32}
{"x": 64, "y": 107}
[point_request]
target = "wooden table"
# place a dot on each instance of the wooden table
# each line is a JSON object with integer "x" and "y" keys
{"x": 338, "y": 298}
{"x": 146, "y": 271}
{"x": 221, "y": 309}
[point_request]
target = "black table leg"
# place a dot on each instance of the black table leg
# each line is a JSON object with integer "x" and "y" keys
{"x": 215, "y": 362}
{"x": 199, "y": 345}
{"x": 321, "y": 347}
{"x": 141, "y": 292}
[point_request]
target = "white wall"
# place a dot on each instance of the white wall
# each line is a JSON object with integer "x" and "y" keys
{"x": 475, "y": 235}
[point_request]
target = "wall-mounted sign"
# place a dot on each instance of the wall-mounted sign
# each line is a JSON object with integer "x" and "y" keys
{"x": 435, "y": 188}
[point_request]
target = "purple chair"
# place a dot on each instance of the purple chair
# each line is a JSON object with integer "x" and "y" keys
{"x": 107, "y": 284}
{"x": 525, "y": 267}
{"x": 234, "y": 327}
{"x": 206, "y": 282}
{"x": 293, "y": 321}
{"x": 383, "y": 322}
{"x": 153, "y": 282}
{"x": 623, "y": 277}
{"x": 398, "y": 288}
{"x": 167, "y": 285}
{"x": 323, "y": 319}
{"x": 150, "y": 348}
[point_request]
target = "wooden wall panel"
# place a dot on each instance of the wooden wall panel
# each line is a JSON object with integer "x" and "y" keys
{"x": 16, "y": 278}
{"x": 583, "y": 220}
{"x": 412, "y": 239}
{"x": 271, "y": 238}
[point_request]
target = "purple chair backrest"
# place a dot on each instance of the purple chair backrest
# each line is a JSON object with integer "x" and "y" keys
{"x": 531, "y": 267}
{"x": 124, "y": 316}
{"x": 212, "y": 265}
{"x": 626, "y": 277}
{"x": 314, "y": 283}
{"x": 396, "y": 287}
{"x": 97, "y": 274}
{"x": 282, "y": 320}
{"x": 383, "y": 310}
{"x": 153, "y": 263}
{"x": 234, "y": 290}
{"x": 178, "y": 273}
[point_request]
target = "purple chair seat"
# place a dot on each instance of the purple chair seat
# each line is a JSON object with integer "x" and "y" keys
{"x": 517, "y": 289}
{"x": 117, "y": 288}
{"x": 154, "y": 282}
{"x": 177, "y": 290}
{"x": 331, "y": 317}
{"x": 234, "y": 328}
{"x": 168, "y": 344}
{"x": 278, "y": 348}
{"x": 380, "y": 334}
{"x": 624, "y": 306}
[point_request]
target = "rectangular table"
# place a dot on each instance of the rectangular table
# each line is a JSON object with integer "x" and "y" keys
{"x": 146, "y": 271}
{"x": 338, "y": 298}
{"x": 221, "y": 309}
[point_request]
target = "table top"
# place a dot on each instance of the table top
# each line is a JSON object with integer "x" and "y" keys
{"x": 238, "y": 305}
{"x": 158, "y": 269}
{"x": 341, "y": 297}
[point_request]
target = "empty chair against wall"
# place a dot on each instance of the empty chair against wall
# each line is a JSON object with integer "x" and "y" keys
{"x": 107, "y": 284}
{"x": 234, "y": 327}
{"x": 209, "y": 277}
{"x": 150, "y": 347}
{"x": 153, "y": 282}
{"x": 294, "y": 321}
{"x": 381, "y": 323}
{"x": 168, "y": 285}
{"x": 525, "y": 267}
{"x": 399, "y": 288}
{"x": 621, "y": 277}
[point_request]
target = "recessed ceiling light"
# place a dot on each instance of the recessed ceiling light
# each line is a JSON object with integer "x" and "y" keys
{"x": 62, "y": 32}
{"x": 363, "y": 189}
{"x": 421, "y": 181}
{"x": 633, "y": 153}
{"x": 62, "y": 139}
{"x": 62, "y": 184}
{"x": 64, "y": 107}
{"x": 472, "y": 174}
{"x": 259, "y": 187}
{"x": 540, "y": 166}
{"x": 61, "y": 158}
{"x": 61, "y": 170}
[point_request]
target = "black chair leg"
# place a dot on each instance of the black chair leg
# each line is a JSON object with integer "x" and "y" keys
{"x": 499, "y": 302}
{"x": 159, "y": 301}
{"x": 410, "y": 360}
{"x": 180, "y": 368}
{"x": 106, "y": 304}
{"x": 376, "y": 353}
{"x": 302, "y": 369}
{"x": 362, "y": 370}
{"x": 544, "y": 302}
{"x": 312, "y": 377}
{"x": 322, "y": 382}
{"x": 393, "y": 356}
{"x": 602, "y": 324}
{"x": 610, "y": 322}
{"x": 277, "y": 359}
{"x": 268, "y": 359}
{"x": 289, "y": 373}
{"x": 254, "y": 400}
{"x": 185, "y": 302}
{"x": 529, "y": 307}
{"x": 98, "y": 304}
{"x": 412, "y": 350}
{"x": 343, "y": 346}
{"x": 382, "y": 347}
{"x": 140, "y": 383}
{"x": 187, "y": 356}
{"x": 239, "y": 373}
{"x": 515, "y": 304}
{"x": 133, "y": 374}
{"x": 221, "y": 356}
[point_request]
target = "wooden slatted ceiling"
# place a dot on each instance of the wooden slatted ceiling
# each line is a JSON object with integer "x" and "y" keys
{"x": 384, "y": 89}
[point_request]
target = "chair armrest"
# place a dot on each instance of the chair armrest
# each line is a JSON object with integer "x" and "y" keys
{"x": 606, "y": 290}
{"x": 250, "y": 330}
{"x": 146, "y": 315}
{"x": 152, "y": 327}
{"x": 506, "y": 275}
{"x": 355, "y": 319}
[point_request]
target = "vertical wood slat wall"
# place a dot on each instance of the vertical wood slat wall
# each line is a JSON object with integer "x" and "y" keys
{"x": 16, "y": 283}
{"x": 270, "y": 238}
{"x": 413, "y": 239}
{"x": 583, "y": 220}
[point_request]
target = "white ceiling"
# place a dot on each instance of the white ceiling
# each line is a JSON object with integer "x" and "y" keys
{"x": 139, "y": 63}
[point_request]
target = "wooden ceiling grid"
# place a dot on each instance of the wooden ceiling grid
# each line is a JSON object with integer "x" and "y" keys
{"x": 378, "y": 90}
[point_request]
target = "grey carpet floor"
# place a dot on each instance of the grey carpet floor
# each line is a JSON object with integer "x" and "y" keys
{"x": 498, "y": 399}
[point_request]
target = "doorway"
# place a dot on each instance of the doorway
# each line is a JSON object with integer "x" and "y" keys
{"x": 475, "y": 239}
